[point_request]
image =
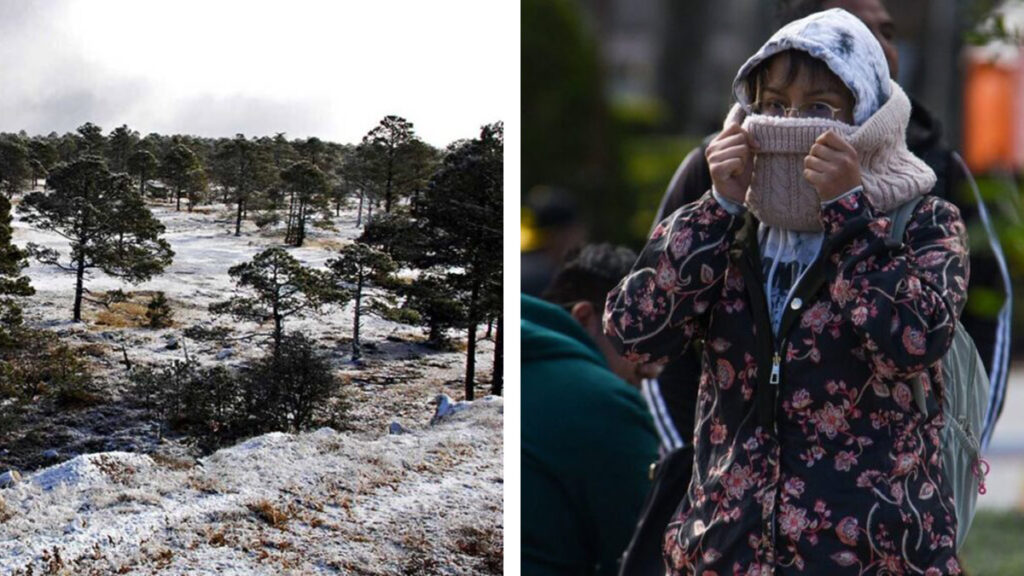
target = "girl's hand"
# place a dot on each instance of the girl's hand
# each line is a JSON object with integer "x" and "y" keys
{"x": 731, "y": 161}
{"x": 832, "y": 167}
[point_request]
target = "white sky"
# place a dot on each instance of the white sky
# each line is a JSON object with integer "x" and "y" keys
{"x": 330, "y": 69}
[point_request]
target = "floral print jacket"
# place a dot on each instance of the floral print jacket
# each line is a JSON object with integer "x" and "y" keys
{"x": 810, "y": 453}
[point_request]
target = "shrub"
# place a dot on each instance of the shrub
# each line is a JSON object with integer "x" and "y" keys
{"x": 158, "y": 312}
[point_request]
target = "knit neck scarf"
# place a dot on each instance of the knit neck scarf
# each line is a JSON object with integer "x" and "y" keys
{"x": 779, "y": 196}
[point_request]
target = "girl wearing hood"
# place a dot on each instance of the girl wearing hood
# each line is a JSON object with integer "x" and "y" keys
{"x": 811, "y": 455}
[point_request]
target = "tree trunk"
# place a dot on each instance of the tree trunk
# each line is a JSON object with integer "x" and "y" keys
{"x": 490, "y": 329}
{"x": 391, "y": 178}
{"x": 142, "y": 186}
{"x": 177, "y": 194}
{"x": 357, "y": 351}
{"x": 359, "y": 214}
{"x": 498, "y": 379}
{"x": 79, "y": 288}
{"x": 471, "y": 346}
{"x": 301, "y": 238}
{"x": 238, "y": 219}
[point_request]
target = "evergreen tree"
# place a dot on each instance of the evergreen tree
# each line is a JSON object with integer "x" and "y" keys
{"x": 15, "y": 169}
{"x": 394, "y": 160}
{"x": 461, "y": 213}
{"x": 91, "y": 138}
{"x": 12, "y": 283}
{"x": 243, "y": 168}
{"x": 143, "y": 165}
{"x": 281, "y": 288}
{"x": 122, "y": 143}
{"x": 307, "y": 187}
{"x": 43, "y": 155}
{"x": 105, "y": 221}
{"x": 358, "y": 267}
{"x": 179, "y": 169}
{"x": 438, "y": 307}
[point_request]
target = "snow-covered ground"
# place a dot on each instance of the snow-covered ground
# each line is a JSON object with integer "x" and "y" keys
{"x": 351, "y": 502}
{"x": 428, "y": 502}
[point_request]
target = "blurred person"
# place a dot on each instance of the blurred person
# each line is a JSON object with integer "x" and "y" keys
{"x": 551, "y": 229}
{"x": 810, "y": 453}
{"x": 581, "y": 286}
{"x": 675, "y": 389}
{"x": 587, "y": 446}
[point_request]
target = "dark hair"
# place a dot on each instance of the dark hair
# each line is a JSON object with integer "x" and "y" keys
{"x": 788, "y": 10}
{"x": 796, "y": 60}
{"x": 590, "y": 274}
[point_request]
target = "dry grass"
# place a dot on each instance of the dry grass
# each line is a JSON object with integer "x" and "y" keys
{"x": 272, "y": 515}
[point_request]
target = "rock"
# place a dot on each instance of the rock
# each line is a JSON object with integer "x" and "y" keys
{"x": 225, "y": 354}
{"x": 51, "y": 454}
{"x": 9, "y": 479}
{"x": 172, "y": 344}
{"x": 445, "y": 408}
{"x": 396, "y": 429}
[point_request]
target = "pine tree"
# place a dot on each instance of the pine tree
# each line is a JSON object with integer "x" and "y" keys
{"x": 12, "y": 283}
{"x": 439, "y": 308}
{"x": 244, "y": 168}
{"x": 143, "y": 165}
{"x": 281, "y": 288}
{"x": 179, "y": 169}
{"x": 15, "y": 169}
{"x": 461, "y": 213}
{"x": 104, "y": 219}
{"x": 359, "y": 267}
{"x": 308, "y": 189}
{"x": 394, "y": 160}
{"x": 121, "y": 144}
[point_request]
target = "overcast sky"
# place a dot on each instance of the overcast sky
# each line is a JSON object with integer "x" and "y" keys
{"x": 330, "y": 69}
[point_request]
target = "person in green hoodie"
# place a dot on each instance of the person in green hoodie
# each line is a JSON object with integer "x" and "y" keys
{"x": 587, "y": 445}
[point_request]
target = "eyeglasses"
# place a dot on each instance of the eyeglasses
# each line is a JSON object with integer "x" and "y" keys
{"x": 819, "y": 110}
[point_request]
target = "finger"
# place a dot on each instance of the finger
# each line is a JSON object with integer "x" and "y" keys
{"x": 835, "y": 141}
{"x": 728, "y": 141}
{"x": 814, "y": 177}
{"x": 728, "y": 168}
{"x": 817, "y": 164}
{"x": 823, "y": 151}
{"x": 738, "y": 151}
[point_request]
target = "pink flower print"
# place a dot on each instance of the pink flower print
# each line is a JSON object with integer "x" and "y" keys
{"x": 845, "y": 558}
{"x": 725, "y": 374}
{"x": 891, "y": 564}
{"x": 844, "y": 460}
{"x": 794, "y": 487}
{"x": 830, "y": 420}
{"x": 933, "y": 571}
{"x": 952, "y": 566}
{"x": 793, "y": 521}
{"x": 817, "y": 317}
{"x": 718, "y": 433}
{"x": 843, "y": 291}
{"x": 801, "y": 399}
{"x": 903, "y": 395}
{"x": 859, "y": 315}
{"x": 665, "y": 277}
{"x": 738, "y": 481}
{"x": 646, "y": 305}
{"x": 905, "y": 463}
{"x": 680, "y": 242}
{"x": 847, "y": 531}
{"x": 913, "y": 341}
{"x": 896, "y": 489}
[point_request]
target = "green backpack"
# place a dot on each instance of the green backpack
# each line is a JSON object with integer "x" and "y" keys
{"x": 964, "y": 404}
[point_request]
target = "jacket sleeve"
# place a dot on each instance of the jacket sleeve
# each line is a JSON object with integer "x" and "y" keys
{"x": 665, "y": 300}
{"x": 903, "y": 300}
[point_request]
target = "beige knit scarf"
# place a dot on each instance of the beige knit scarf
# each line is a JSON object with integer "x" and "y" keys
{"x": 779, "y": 195}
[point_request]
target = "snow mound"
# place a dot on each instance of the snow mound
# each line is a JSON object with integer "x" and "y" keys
{"x": 93, "y": 469}
{"x": 325, "y": 502}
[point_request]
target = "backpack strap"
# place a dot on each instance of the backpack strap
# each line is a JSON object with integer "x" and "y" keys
{"x": 900, "y": 218}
